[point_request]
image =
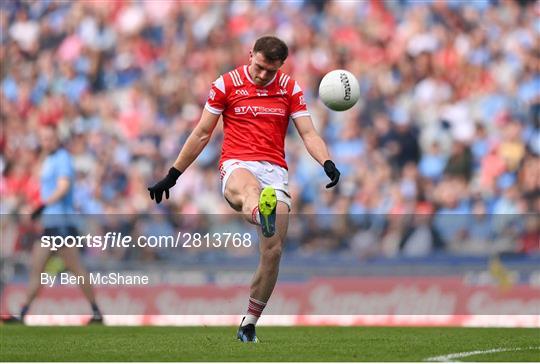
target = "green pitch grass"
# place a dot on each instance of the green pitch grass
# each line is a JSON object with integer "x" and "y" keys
{"x": 98, "y": 343}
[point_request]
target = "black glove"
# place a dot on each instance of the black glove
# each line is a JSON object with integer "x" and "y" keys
{"x": 332, "y": 173}
{"x": 37, "y": 211}
{"x": 164, "y": 185}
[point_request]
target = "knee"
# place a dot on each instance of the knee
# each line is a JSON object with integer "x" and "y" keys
{"x": 251, "y": 190}
{"x": 250, "y": 194}
{"x": 272, "y": 255}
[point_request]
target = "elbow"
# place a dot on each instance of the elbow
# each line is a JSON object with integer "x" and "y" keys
{"x": 64, "y": 187}
{"x": 64, "y": 191}
{"x": 203, "y": 135}
{"x": 203, "y": 138}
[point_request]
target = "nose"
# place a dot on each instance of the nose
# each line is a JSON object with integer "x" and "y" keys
{"x": 263, "y": 74}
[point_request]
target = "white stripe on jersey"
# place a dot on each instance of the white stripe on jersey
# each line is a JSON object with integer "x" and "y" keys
{"x": 284, "y": 81}
{"x": 237, "y": 81}
{"x": 300, "y": 113}
{"x": 213, "y": 110}
{"x": 240, "y": 82}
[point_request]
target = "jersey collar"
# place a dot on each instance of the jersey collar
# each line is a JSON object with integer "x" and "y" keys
{"x": 250, "y": 80}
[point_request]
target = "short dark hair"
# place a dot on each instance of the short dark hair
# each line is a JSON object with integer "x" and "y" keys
{"x": 272, "y": 48}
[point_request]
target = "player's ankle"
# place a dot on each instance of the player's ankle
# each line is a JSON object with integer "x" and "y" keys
{"x": 24, "y": 311}
{"x": 95, "y": 309}
{"x": 250, "y": 319}
{"x": 255, "y": 309}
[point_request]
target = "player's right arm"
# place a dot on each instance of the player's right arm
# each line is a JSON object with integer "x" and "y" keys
{"x": 196, "y": 141}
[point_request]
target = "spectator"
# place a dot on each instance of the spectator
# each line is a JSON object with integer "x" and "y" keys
{"x": 460, "y": 162}
{"x": 125, "y": 81}
{"x": 421, "y": 237}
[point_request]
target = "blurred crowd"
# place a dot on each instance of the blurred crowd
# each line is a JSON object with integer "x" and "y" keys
{"x": 442, "y": 153}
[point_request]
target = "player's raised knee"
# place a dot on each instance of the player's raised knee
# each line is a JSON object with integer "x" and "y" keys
{"x": 251, "y": 190}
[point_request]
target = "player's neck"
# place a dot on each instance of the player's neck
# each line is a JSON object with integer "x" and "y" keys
{"x": 251, "y": 74}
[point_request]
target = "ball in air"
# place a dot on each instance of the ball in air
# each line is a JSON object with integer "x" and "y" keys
{"x": 339, "y": 90}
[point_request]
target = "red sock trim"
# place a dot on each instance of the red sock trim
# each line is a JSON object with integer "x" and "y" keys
{"x": 255, "y": 307}
{"x": 254, "y": 214}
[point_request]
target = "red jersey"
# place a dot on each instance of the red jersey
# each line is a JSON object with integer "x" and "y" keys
{"x": 255, "y": 118}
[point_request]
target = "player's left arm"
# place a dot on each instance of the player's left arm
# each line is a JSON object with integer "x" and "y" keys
{"x": 316, "y": 147}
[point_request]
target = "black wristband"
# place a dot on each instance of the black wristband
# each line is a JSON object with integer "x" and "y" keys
{"x": 174, "y": 173}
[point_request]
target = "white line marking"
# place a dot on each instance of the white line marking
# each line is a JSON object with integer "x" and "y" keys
{"x": 454, "y": 356}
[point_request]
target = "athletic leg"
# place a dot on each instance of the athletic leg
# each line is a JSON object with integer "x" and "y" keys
{"x": 39, "y": 258}
{"x": 270, "y": 249}
{"x": 265, "y": 277}
{"x": 72, "y": 261}
{"x": 242, "y": 190}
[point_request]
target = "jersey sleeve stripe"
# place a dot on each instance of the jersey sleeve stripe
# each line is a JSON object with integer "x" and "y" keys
{"x": 233, "y": 78}
{"x": 284, "y": 81}
{"x": 237, "y": 78}
{"x": 299, "y": 114}
{"x": 281, "y": 78}
{"x": 213, "y": 110}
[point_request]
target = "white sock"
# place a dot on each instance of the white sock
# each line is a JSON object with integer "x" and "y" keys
{"x": 250, "y": 319}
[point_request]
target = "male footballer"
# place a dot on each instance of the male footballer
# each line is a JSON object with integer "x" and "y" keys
{"x": 256, "y": 101}
{"x": 56, "y": 185}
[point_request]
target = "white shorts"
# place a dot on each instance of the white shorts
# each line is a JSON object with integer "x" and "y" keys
{"x": 268, "y": 174}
